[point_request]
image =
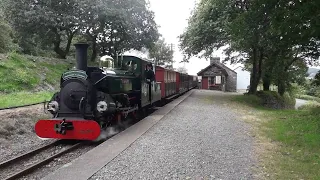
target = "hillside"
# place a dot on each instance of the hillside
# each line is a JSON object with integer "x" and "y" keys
{"x": 29, "y": 73}
{"x": 29, "y": 79}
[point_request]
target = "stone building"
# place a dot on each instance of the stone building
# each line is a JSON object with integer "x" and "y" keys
{"x": 217, "y": 76}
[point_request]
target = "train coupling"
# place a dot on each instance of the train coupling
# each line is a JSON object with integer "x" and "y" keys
{"x": 63, "y": 127}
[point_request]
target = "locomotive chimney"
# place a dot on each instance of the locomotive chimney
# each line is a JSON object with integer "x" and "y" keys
{"x": 81, "y": 56}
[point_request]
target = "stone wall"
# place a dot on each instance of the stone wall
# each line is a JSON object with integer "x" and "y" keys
{"x": 231, "y": 85}
{"x": 221, "y": 70}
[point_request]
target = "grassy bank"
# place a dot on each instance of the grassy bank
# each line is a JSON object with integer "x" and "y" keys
{"x": 24, "y": 73}
{"x": 23, "y": 98}
{"x": 28, "y": 79}
{"x": 290, "y": 139}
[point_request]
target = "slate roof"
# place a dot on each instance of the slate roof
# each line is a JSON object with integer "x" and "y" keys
{"x": 220, "y": 65}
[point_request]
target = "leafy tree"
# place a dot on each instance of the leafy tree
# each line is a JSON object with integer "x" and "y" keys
{"x": 6, "y": 34}
{"x": 316, "y": 80}
{"x": 182, "y": 70}
{"x": 110, "y": 26}
{"x": 6, "y": 43}
{"x": 53, "y": 21}
{"x": 269, "y": 36}
{"x": 129, "y": 24}
{"x": 161, "y": 53}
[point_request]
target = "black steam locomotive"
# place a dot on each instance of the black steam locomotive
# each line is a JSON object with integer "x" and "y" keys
{"x": 93, "y": 99}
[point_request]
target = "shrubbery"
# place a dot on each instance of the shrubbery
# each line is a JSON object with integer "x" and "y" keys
{"x": 272, "y": 99}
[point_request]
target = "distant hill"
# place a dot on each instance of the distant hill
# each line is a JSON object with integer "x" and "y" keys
{"x": 312, "y": 72}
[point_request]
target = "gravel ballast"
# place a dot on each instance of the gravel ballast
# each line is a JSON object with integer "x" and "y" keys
{"x": 17, "y": 135}
{"x": 200, "y": 138}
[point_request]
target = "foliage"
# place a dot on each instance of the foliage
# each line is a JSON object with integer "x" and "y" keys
{"x": 162, "y": 53}
{"x": 182, "y": 70}
{"x": 53, "y": 21}
{"x": 316, "y": 80}
{"x": 273, "y": 100}
{"x": 295, "y": 90}
{"x": 109, "y": 26}
{"x": 274, "y": 38}
{"x": 6, "y": 41}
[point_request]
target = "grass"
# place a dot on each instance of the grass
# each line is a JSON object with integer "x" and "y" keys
{"x": 293, "y": 138}
{"x": 23, "y": 73}
{"x": 23, "y": 98}
{"x": 29, "y": 79}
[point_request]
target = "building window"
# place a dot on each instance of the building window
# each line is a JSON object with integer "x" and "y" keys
{"x": 218, "y": 79}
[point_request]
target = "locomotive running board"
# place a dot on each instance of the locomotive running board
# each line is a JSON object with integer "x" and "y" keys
{"x": 77, "y": 129}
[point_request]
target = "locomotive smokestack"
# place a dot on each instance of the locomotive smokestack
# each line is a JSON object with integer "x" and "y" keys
{"x": 81, "y": 56}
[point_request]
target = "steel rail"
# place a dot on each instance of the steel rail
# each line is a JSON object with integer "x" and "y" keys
{"x": 31, "y": 168}
{"x": 26, "y": 155}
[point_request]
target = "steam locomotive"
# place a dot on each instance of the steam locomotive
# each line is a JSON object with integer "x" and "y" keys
{"x": 93, "y": 99}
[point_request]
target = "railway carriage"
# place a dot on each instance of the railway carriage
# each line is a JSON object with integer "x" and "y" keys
{"x": 92, "y": 99}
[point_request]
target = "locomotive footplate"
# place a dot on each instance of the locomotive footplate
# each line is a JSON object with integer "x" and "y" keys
{"x": 68, "y": 129}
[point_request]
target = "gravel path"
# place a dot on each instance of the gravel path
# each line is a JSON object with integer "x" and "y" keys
{"x": 300, "y": 102}
{"x": 200, "y": 138}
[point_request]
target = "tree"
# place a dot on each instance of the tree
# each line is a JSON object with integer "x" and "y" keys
{"x": 123, "y": 25}
{"x": 110, "y": 26}
{"x": 162, "y": 53}
{"x": 53, "y": 21}
{"x": 6, "y": 43}
{"x": 182, "y": 70}
{"x": 316, "y": 80}
{"x": 269, "y": 36}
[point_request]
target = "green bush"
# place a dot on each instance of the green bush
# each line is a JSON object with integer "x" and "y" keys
{"x": 273, "y": 100}
{"x": 296, "y": 90}
{"x": 313, "y": 91}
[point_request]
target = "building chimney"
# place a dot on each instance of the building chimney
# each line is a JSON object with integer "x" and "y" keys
{"x": 81, "y": 56}
{"x": 214, "y": 60}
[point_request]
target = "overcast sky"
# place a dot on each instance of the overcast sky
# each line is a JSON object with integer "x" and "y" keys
{"x": 172, "y": 17}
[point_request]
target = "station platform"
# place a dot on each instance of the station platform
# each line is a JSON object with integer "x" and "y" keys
{"x": 197, "y": 136}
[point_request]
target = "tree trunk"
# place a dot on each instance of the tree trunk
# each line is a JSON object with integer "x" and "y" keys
{"x": 62, "y": 53}
{"x": 266, "y": 84}
{"x": 256, "y": 71}
{"x": 281, "y": 87}
{"x": 266, "y": 80}
{"x": 58, "y": 50}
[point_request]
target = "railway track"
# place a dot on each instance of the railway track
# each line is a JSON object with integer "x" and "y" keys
{"x": 31, "y": 162}
{"x": 26, "y": 163}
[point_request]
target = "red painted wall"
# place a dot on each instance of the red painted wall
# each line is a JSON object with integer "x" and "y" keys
{"x": 205, "y": 83}
{"x": 160, "y": 78}
{"x": 177, "y": 81}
